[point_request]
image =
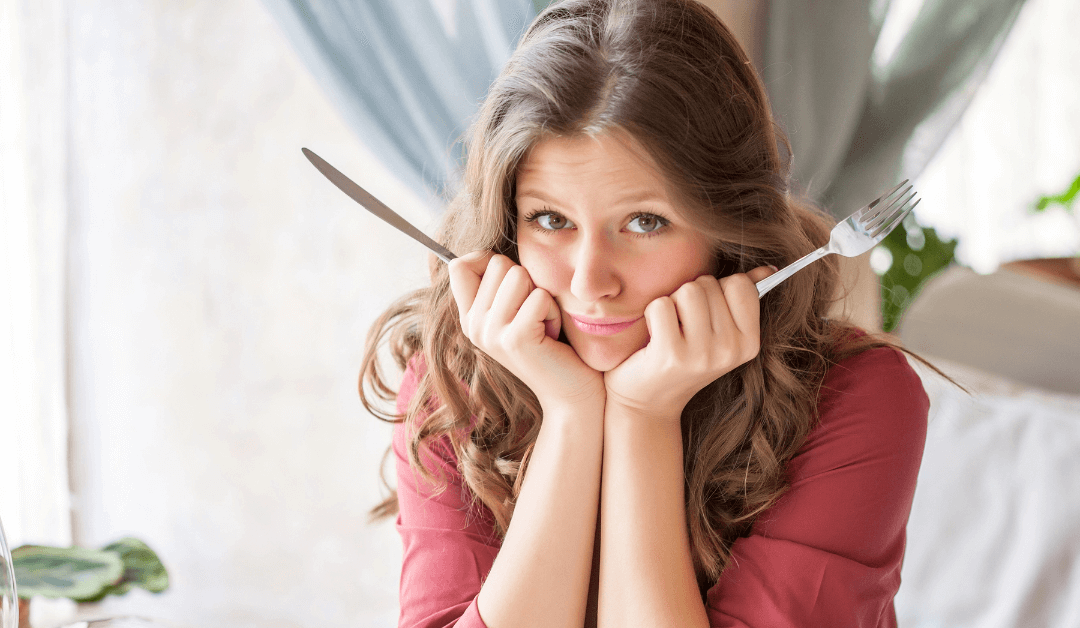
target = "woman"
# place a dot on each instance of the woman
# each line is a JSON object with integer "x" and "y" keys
{"x": 599, "y": 422}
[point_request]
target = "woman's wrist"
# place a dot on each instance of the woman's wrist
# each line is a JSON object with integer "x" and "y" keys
{"x": 579, "y": 406}
{"x": 616, "y": 411}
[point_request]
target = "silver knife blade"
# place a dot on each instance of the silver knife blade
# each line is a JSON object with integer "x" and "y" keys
{"x": 375, "y": 206}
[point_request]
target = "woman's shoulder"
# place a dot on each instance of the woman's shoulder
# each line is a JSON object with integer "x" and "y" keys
{"x": 875, "y": 371}
{"x": 876, "y": 399}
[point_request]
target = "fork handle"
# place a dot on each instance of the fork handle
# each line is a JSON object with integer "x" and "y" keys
{"x": 778, "y": 277}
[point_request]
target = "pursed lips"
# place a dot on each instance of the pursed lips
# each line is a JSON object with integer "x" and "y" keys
{"x": 603, "y": 326}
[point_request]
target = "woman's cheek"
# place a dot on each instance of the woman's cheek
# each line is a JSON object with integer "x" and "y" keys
{"x": 546, "y": 269}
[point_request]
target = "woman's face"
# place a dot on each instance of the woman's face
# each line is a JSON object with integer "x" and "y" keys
{"x": 598, "y": 229}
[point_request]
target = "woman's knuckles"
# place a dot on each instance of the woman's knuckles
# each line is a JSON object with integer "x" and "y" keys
{"x": 740, "y": 282}
{"x": 500, "y": 264}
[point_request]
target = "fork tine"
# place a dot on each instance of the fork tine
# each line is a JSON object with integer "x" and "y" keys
{"x": 866, "y": 221}
{"x": 873, "y": 222}
{"x": 889, "y": 222}
{"x": 874, "y": 203}
{"x": 884, "y": 230}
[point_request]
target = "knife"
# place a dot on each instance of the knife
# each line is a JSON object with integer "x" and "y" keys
{"x": 375, "y": 206}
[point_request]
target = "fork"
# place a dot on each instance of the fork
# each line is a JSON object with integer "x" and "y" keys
{"x": 856, "y": 234}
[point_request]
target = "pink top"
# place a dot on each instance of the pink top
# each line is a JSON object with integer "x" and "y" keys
{"x": 827, "y": 554}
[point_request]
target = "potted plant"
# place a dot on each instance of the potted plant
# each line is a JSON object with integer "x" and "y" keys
{"x": 85, "y": 575}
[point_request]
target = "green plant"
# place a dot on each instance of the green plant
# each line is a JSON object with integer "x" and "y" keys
{"x": 1065, "y": 199}
{"x": 916, "y": 254}
{"x": 87, "y": 575}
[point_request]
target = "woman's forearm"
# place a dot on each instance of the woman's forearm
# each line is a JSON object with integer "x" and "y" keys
{"x": 646, "y": 572}
{"x": 541, "y": 575}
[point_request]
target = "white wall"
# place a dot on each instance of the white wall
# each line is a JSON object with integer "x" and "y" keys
{"x": 220, "y": 291}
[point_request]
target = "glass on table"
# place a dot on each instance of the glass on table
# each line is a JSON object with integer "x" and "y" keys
{"x": 9, "y": 597}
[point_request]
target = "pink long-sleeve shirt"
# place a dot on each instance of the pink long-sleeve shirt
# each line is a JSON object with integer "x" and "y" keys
{"x": 827, "y": 554}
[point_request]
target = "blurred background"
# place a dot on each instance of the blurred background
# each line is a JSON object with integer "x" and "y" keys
{"x": 185, "y": 298}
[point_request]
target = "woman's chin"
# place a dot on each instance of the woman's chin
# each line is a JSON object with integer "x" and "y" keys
{"x": 603, "y": 354}
{"x": 602, "y": 363}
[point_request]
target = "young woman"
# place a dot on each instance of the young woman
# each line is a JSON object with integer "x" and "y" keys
{"x": 599, "y": 422}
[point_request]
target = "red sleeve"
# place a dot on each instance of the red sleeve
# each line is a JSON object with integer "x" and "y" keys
{"x": 829, "y": 552}
{"x": 449, "y": 544}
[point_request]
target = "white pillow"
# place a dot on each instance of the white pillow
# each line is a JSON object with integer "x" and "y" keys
{"x": 994, "y": 534}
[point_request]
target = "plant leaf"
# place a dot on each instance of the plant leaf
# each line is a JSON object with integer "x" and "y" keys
{"x": 1065, "y": 199}
{"x": 142, "y": 568}
{"x": 911, "y": 267}
{"x": 71, "y": 572}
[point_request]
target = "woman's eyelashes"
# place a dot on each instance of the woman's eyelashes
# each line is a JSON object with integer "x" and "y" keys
{"x": 641, "y": 224}
{"x": 547, "y": 220}
{"x": 647, "y": 223}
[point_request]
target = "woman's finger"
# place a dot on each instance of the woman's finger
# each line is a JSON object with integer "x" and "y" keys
{"x": 492, "y": 278}
{"x": 465, "y": 276}
{"x": 537, "y": 309}
{"x": 515, "y": 287}
{"x": 553, "y": 318}
{"x": 741, "y": 296}
{"x": 662, "y": 321}
{"x": 692, "y": 308}
{"x": 719, "y": 316}
{"x": 761, "y": 272}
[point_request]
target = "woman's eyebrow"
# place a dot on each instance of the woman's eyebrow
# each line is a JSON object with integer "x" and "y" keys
{"x": 642, "y": 196}
{"x": 538, "y": 195}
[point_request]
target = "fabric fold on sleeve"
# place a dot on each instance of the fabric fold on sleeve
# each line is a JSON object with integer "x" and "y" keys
{"x": 829, "y": 552}
{"x": 782, "y": 584}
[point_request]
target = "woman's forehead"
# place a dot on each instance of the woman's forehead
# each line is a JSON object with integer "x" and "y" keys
{"x": 585, "y": 162}
{"x": 582, "y": 147}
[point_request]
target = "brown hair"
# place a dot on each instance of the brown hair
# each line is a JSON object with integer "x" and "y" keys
{"x": 671, "y": 75}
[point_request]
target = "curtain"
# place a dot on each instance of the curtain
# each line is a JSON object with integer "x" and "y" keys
{"x": 407, "y": 75}
{"x": 861, "y": 107}
{"x": 34, "y": 493}
{"x": 864, "y": 107}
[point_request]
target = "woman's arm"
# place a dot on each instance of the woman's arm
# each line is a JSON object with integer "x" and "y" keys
{"x": 541, "y": 575}
{"x": 646, "y": 573}
{"x": 449, "y": 541}
{"x": 703, "y": 330}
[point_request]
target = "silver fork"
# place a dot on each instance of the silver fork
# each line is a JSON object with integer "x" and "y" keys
{"x": 856, "y": 234}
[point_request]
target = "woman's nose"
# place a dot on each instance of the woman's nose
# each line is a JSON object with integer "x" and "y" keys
{"x": 595, "y": 270}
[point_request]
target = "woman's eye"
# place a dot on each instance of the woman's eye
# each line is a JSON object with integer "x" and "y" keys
{"x": 553, "y": 222}
{"x": 646, "y": 223}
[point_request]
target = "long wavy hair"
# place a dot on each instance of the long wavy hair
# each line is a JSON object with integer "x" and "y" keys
{"x": 672, "y": 76}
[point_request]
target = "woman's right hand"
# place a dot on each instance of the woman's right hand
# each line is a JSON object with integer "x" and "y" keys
{"x": 507, "y": 317}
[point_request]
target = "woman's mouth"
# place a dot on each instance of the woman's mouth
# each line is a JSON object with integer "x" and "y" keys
{"x": 603, "y": 326}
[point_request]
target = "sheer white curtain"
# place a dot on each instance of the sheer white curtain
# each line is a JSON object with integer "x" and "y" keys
{"x": 34, "y": 501}
{"x": 196, "y": 295}
{"x": 867, "y": 90}
{"x": 1019, "y": 139}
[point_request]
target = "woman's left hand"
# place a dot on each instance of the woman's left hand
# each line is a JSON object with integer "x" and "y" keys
{"x": 705, "y": 329}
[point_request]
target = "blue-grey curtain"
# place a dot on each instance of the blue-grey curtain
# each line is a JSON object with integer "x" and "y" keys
{"x": 857, "y": 124}
{"x": 407, "y": 75}
{"x": 408, "y": 78}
